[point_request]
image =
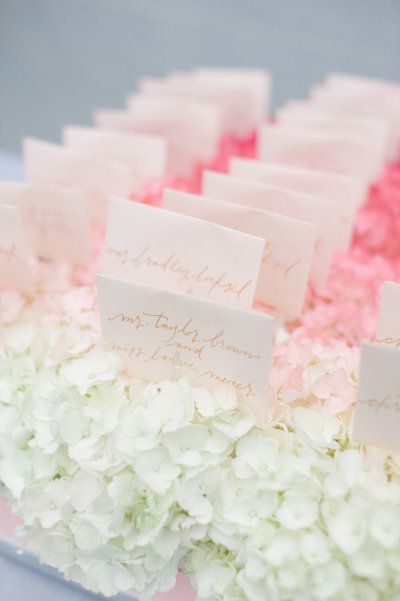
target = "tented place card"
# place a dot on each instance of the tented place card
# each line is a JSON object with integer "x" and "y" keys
{"x": 161, "y": 248}
{"x": 324, "y": 214}
{"x": 15, "y": 271}
{"x": 145, "y": 155}
{"x": 373, "y": 133}
{"x": 342, "y": 106}
{"x": 347, "y": 192}
{"x": 388, "y": 330}
{"x": 51, "y": 164}
{"x": 377, "y": 414}
{"x": 328, "y": 152}
{"x": 162, "y": 334}
{"x": 192, "y": 128}
{"x": 55, "y": 220}
{"x": 256, "y": 83}
{"x": 288, "y": 251}
{"x": 241, "y": 95}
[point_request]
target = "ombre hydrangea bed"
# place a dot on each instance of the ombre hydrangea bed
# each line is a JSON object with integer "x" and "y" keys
{"x": 120, "y": 484}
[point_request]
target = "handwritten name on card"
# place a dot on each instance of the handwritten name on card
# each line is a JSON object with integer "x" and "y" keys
{"x": 324, "y": 214}
{"x": 55, "y": 220}
{"x": 162, "y": 334}
{"x": 388, "y": 330}
{"x": 15, "y": 272}
{"x": 156, "y": 247}
{"x": 55, "y": 165}
{"x": 288, "y": 248}
{"x": 145, "y": 155}
{"x": 348, "y": 193}
{"x": 377, "y": 414}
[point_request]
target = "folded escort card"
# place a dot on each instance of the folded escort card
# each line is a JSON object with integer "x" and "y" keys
{"x": 324, "y": 214}
{"x": 192, "y": 128}
{"x": 372, "y": 132}
{"x": 256, "y": 82}
{"x": 55, "y": 220}
{"x": 51, "y": 164}
{"x": 166, "y": 335}
{"x": 161, "y": 248}
{"x": 241, "y": 95}
{"x": 288, "y": 251}
{"x": 388, "y": 330}
{"x": 347, "y": 192}
{"x": 377, "y": 414}
{"x": 329, "y": 152}
{"x": 15, "y": 270}
{"x": 338, "y": 107}
{"x": 361, "y": 101}
{"x": 144, "y": 154}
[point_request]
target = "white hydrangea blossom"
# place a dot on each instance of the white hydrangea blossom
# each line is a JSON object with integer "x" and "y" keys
{"x": 120, "y": 484}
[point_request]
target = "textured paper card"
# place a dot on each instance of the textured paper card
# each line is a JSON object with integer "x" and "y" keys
{"x": 325, "y": 215}
{"x": 145, "y": 155}
{"x": 347, "y": 192}
{"x": 55, "y": 165}
{"x": 328, "y": 152}
{"x": 289, "y": 245}
{"x": 163, "y": 334}
{"x": 55, "y": 220}
{"x": 15, "y": 272}
{"x": 377, "y": 414}
{"x": 388, "y": 330}
{"x": 161, "y": 248}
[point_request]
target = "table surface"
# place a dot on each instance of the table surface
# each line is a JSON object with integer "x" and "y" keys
{"x": 21, "y": 576}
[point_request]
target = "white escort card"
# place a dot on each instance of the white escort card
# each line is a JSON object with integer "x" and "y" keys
{"x": 51, "y": 164}
{"x": 15, "y": 270}
{"x": 338, "y": 107}
{"x": 388, "y": 330}
{"x": 256, "y": 82}
{"x": 160, "y": 248}
{"x": 372, "y": 132}
{"x": 55, "y": 220}
{"x": 166, "y": 335}
{"x": 145, "y": 155}
{"x": 242, "y": 95}
{"x": 289, "y": 245}
{"x": 324, "y": 214}
{"x": 377, "y": 414}
{"x": 347, "y": 192}
{"x": 328, "y": 152}
{"x": 192, "y": 128}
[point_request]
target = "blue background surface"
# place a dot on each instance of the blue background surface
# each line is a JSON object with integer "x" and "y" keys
{"x": 59, "y": 59}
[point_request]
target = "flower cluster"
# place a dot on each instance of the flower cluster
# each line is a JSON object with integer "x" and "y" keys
{"x": 120, "y": 484}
